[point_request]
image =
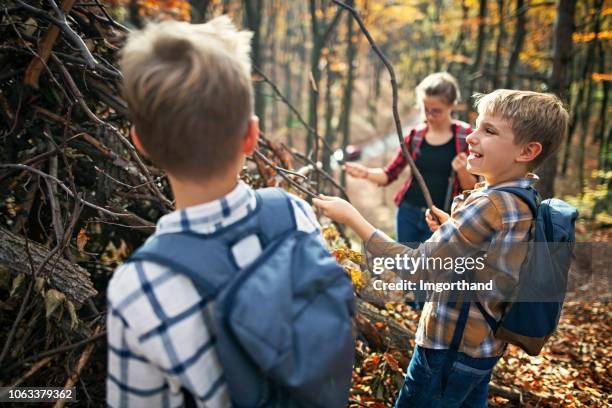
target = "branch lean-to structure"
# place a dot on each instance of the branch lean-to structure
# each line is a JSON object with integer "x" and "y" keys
{"x": 75, "y": 195}
{"x": 396, "y": 117}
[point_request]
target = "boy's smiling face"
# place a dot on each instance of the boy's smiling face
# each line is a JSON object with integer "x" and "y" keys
{"x": 493, "y": 152}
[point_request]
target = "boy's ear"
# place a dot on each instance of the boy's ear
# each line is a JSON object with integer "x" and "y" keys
{"x": 136, "y": 141}
{"x": 529, "y": 152}
{"x": 251, "y": 136}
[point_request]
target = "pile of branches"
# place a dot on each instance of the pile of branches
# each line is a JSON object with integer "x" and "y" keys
{"x": 75, "y": 196}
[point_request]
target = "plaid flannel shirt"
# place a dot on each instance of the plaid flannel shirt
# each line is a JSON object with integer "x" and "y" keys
{"x": 498, "y": 220}
{"x": 158, "y": 338}
{"x": 395, "y": 167}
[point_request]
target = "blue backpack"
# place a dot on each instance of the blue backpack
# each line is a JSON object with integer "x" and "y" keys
{"x": 532, "y": 319}
{"x": 283, "y": 325}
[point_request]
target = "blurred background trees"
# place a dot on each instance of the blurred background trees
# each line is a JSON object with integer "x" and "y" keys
{"x": 315, "y": 54}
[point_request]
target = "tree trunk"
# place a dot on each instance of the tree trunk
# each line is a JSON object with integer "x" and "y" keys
{"x": 348, "y": 90}
{"x": 383, "y": 333}
{"x": 68, "y": 278}
{"x": 482, "y": 15}
{"x": 198, "y": 10}
{"x": 329, "y": 115}
{"x": 272, "y": 45}
{"x": 589, "y": 97}
{"x": 519, "y": 39}
{"x": 574, "y": 115}
{"x": 584, "y": 130}
{"x": 501, "y": 34}
{"x": 558, "y": 80}
{"x": 134, "y": 15}
{"x": 459, "y": 45}
{"x": 321, "y": 31}
{"x": 315, "y": 54}
{"x": 583, "y": 108}
{"x": 302, "y": 78}
{"x": 287, "y": 56}
{"x": 253, "y": 15}
{"x": 603, "y": 115}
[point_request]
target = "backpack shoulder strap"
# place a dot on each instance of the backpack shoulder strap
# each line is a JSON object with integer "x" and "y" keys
{"x": 528, "y": 195}
{"x": 276, "y": 215}
{"x": 186, "y": 253}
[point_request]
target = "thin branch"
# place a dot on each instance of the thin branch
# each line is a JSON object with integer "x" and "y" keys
{"x": 398, "y": 126}
{"x": 128, "y": 216}
{"x": 54, "y": 351}
{"x": 59, "y": 247}
{"x": 311, "y": 131}
{"x": 81, "y": 101}
{"x": 282, "y": 172}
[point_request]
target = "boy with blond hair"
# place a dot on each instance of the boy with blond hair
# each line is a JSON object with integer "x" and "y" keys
{"x": 456, "y": 347}
{"x": 195, "y": 315}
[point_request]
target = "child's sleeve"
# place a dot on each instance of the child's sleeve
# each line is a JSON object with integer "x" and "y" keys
{"x": 159, "y": 342}
{"x": 305, "y": 217}
{"x": 394, "y": 168}
{"x": 464, "y": 234}
{"x": 131, "y": 380}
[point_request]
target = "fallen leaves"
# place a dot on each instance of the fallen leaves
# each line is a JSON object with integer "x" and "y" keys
{"x": 575, "y": 367}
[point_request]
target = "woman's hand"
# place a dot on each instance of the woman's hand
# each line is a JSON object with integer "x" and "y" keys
{"x": 356, "y": 170}
{"x": 466, "y": 180}
{"x": 441, "y": 218}
{"x": 459, "y": 163}
{"x": 343, "y": 212}
{"x": 374, "y": 175}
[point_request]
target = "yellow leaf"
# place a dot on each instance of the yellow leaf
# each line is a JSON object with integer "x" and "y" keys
{"x": 53, "y": 299}
{"x": 17, "y": 283}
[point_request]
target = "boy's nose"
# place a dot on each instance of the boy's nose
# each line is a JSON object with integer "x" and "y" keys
{"x": 471, "y": 138}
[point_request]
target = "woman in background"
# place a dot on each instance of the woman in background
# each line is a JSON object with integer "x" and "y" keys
{"x": 439, "y": 150}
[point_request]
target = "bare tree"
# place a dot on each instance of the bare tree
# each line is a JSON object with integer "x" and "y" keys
{"x": 558, "y": 79}
{"x": 517, "y": 43}
{"x": 253, "y": 16}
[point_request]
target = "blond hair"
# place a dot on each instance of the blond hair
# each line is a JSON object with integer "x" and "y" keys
{"x": 440, "y": 84}
{"x": 533, "y": 116}
{"x": 190, "y": 95}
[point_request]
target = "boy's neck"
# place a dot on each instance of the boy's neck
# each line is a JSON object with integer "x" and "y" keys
{"x": 190, "y": 193}
{"x": 492, "y": 181}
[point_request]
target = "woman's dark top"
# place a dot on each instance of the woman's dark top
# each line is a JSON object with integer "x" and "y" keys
{"x": 434, "y": 162}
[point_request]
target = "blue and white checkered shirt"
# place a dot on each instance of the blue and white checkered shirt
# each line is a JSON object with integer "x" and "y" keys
{"x": 158, "y": 341}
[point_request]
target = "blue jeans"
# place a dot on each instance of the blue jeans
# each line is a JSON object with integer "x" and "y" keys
{"x": 412, "y": 230}
{"x": 432, "y": 383}
{"x": 411, "y": 226}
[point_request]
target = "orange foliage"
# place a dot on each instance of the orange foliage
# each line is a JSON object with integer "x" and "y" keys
{"x": 164, "y": 9}
{"x": 597, "y": 77}
{"x": 158, "y": 9}
{"x": 590, "y": 36}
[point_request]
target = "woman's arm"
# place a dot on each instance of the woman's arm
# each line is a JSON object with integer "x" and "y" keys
{"x": 375, "y": 175}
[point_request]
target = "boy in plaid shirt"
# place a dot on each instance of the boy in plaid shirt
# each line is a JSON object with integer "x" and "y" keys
{"x": 516, "y": 131}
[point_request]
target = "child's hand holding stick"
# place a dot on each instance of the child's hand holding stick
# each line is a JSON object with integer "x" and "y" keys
{"x": 439, "y": 217}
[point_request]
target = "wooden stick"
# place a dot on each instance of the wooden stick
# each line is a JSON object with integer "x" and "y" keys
{"x": 44, "y": 50}
{"x": 85, "y": 355}
{"x": 398, "y": 126}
